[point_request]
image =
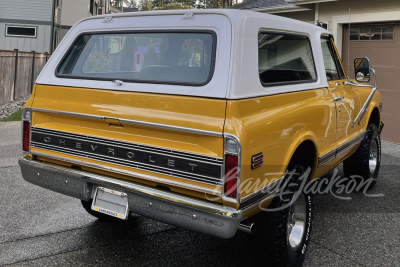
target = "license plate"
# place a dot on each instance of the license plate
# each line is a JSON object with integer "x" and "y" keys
{"x": 110, "y": 202}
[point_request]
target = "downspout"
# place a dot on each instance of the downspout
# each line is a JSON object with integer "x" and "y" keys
{"x": 52, "y": 25}
{"x": 316, "y": 12}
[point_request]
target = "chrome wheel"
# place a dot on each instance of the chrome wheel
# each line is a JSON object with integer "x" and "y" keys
{"x": 296, "y": 223}
{"x": 373, "y": 156}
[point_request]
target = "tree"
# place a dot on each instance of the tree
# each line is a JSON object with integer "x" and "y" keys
{"x": 126, "y": 3}
{"x": 215, "y": 3}
{"x": 174, "y": 6}
{"x": 145, "y": 5}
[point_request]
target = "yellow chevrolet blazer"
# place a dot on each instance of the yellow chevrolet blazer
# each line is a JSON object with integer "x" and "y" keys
{"x": 210, "y": 120}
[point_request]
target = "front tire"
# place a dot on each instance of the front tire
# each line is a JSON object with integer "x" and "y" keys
{"x": 364, "y": 164}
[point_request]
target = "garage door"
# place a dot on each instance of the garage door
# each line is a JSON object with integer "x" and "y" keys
{"x": 381, "y": 44}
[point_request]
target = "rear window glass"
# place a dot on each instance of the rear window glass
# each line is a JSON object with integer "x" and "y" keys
{"x": 285, "y": 58}
{"x": 171, "y": 58}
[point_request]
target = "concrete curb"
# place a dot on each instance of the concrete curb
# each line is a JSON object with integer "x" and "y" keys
{"x": 9, "y": 123}
{"x": 390, "y": 148}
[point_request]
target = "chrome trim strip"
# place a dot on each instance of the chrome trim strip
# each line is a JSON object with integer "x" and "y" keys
{"x": 30, "y": 131}
{"x": 328, "y": 156}
{"x": 350, "y": 144}
{"x": 267, "y": 196}
{"x": 134, "y": 174}
{"x": 364, "y": 108}
{"x": 357, "y": 84}
{"x": 203, "y": 178}
{"x": 321, "y": 163}
{"x": 124, "y": 144}
{"x": 323, "y": 159}
{"x": 140, "y": 166}
{"x": 257, "y": 203}
{"x": 239, "y": 153}
{"x": 264, "y": 189}
{"x": 133, "y": 122}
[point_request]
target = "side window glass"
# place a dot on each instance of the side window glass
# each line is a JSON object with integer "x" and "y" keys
{"x": 284, "y": 58}
{"x": 333, "y": 69}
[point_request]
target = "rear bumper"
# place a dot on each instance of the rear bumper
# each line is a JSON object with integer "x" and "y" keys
{"x": 163, "y": 206}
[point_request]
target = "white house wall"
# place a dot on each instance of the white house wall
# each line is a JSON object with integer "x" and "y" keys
{"x": 306, "y": 16}
{"x": 73, "y": 11}
{"x": 335, "y": 14}
{"x": 360, "y": 12}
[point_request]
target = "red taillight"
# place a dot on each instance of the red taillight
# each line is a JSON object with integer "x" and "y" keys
{"x": 231, "y": 175}
{"x": 25, "y": 136}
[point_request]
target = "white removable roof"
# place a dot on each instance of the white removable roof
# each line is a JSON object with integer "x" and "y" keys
{"x": 236, "y": 73}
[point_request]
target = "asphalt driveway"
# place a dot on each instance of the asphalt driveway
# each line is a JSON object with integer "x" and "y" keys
{"x": 42, "y": 228}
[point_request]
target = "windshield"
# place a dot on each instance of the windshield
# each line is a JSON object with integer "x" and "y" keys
{"x": 172, "y": 58}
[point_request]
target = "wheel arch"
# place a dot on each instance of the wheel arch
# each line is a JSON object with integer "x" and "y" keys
{"x": 304, "y": 150}
{"x": 375, "y": 117}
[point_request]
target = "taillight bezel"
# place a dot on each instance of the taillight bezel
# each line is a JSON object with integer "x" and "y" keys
{"x": 237, "y": 152}
{"x": 26, "y": 118}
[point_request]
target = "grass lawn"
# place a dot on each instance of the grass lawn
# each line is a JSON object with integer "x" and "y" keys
{"x": 16, "y": 116}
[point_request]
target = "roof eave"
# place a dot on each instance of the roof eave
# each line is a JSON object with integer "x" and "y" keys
{"x": 307, "y": 2}
{"x": 274, "y": 10}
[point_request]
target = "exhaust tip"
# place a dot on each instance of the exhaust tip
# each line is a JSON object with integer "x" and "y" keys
{"x": 247, "y": 228}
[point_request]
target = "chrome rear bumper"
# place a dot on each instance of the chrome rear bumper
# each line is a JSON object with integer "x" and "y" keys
{"x": 163, "y": 206}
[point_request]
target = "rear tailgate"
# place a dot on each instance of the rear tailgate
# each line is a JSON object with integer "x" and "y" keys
{"x": 154, "y": 139}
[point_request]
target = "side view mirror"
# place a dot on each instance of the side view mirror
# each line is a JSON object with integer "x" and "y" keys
{"x": 362, "y": 69}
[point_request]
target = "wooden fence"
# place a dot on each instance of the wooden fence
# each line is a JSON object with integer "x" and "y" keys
{"x": 18, "y": 72}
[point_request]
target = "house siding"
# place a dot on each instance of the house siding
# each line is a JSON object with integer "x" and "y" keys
{"x": 37, "y": 10}
{"x": 328, "y": 10}
{"x": 37, "y": 13}
{"x": 38, "y": 44}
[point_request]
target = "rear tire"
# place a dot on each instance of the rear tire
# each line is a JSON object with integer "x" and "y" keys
{"x": 365, "y": 163}
{"x": 287, "y": 222}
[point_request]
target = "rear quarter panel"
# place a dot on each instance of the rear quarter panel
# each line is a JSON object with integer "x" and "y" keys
{"x": 276, "y": 125}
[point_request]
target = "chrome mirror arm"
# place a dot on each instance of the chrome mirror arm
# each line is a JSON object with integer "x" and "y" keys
{"x": 365, "y": 106}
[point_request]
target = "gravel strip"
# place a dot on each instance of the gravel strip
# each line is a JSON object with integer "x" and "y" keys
{"x": 11, "y": 107}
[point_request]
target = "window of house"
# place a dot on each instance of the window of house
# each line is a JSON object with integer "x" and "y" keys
{"x": 284, "y": 58}
{"x": 371, "y": 33}
{"x": 333, "y": 68}
{"x": 167, "y": 57}
{"x": 21, "y": 31}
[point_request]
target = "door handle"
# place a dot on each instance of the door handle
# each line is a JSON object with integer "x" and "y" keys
{"x": 338, "y": 98}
